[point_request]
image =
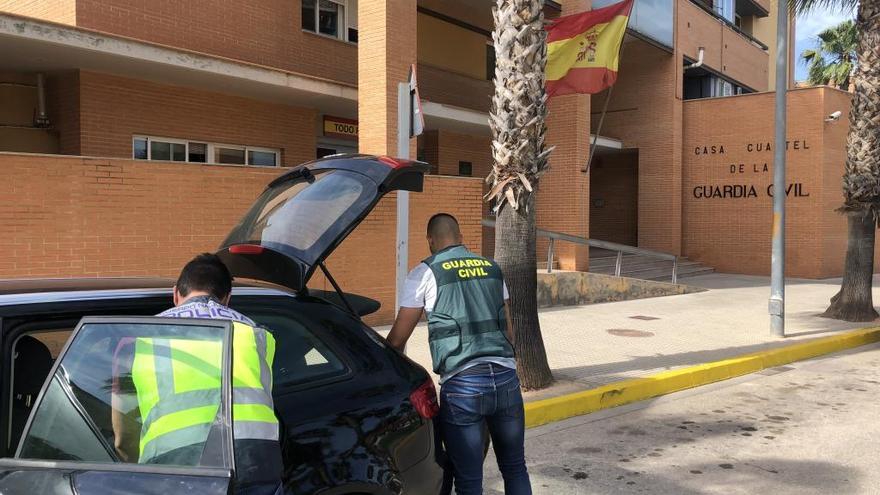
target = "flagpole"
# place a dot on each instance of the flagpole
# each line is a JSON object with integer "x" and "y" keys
{"x": 604, "y": 111}
{"x": 598, "y": 129}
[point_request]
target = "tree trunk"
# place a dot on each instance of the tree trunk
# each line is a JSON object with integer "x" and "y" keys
{"x": 517, "y": 119}
{"x": 854, "y": 301}
{"x": 861, "y": 177}
{"x": 515, "y": 254}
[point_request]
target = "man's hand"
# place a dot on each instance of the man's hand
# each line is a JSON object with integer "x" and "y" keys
{"x": 407, "y": 319}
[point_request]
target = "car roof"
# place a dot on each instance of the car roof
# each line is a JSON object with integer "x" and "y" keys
{"x": 17, "y": 291}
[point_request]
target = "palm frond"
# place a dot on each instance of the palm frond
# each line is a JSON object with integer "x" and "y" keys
{"x": 804, "y": 6}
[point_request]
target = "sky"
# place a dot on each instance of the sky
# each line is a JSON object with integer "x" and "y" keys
{"x": 806, "y": 29}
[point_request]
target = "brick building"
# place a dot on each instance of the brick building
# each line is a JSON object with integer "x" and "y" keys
{"x": 127, "y": 126}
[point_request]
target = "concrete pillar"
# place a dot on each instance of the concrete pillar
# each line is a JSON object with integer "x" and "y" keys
{"x": 386, "y": 49}
{"x": 564, "y": 195}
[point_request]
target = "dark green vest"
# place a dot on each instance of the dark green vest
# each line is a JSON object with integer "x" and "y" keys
{"x": 468, "y": 320}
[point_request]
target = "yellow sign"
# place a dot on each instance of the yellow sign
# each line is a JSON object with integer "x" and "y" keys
{"x": 339, "y": 127}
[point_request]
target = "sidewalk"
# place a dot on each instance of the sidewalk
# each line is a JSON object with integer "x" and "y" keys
{"x": 590, "y": 346}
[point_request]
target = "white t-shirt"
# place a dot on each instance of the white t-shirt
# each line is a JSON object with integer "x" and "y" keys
{"x": 420, "y": 291}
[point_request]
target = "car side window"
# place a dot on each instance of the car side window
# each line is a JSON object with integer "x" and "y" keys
{"x": 300, "y": 356}
{"x": 32, "y": 357}
{"x": 113, "y": 396}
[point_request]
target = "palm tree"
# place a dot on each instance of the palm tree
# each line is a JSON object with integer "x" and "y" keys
{"x": 833, "y": 60}
{"x": 519, "y": 109}
{"x": 861, "y": 176}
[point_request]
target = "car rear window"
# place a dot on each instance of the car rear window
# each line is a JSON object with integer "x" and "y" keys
{"x": 301, "y": 219}
{"x": 300, "y": 356}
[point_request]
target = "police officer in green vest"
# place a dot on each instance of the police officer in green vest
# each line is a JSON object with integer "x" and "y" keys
{"x": 178, "y": 398}
{"x": 472, "y": 349}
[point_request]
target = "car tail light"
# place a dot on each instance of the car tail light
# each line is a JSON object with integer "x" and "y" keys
{"x": 424, "y": 399}
{"x": 246, "y": 249}
{"x": 395, "y": 162}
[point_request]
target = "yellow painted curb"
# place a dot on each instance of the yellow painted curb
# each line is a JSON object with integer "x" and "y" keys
{"x": 619, "y": 393}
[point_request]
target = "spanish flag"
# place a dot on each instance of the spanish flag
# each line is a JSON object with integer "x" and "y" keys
{"x": 583, "y": 50}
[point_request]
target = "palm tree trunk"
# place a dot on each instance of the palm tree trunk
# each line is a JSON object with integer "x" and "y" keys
{"x": 517, "y": 120}
{"x": 515, "y": 253}
{"x": 861, "y": 177}
{"x": 854, "y": 301}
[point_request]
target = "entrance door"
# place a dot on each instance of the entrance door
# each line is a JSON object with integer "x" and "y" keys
{"x": 614, "y": 197}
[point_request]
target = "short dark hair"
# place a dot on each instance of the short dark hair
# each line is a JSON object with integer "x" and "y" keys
{"x": 205, "y": 273}
{"x": 442, "y": 224}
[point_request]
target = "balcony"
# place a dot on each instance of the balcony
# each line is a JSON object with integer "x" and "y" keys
{"x": 728, "y": 51}
{"x": 450, "y": 88}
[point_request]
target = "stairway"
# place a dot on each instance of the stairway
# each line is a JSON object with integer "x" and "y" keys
{"x": 646, "y": 267}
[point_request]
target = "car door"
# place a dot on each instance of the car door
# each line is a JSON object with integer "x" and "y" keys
{"x": 84, "y": 434}
{"x": 306, "y": 213}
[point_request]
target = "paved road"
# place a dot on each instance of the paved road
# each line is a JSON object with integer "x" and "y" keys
{"x": 807, "y": 428}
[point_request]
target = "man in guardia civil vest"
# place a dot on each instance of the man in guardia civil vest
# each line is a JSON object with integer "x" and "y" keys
{"x": 178, "y": 401}
{"x": 472, "y": 349}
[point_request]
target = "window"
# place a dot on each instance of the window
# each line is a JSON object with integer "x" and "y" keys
{"x": 175, "y": 150}
{"x": 226, "y": 155}
{"x": 300, "y": 357}
{"x": 99, "y": 401}
{"x": 465, "y": 169}
{"x": 32, "y": 357}
{"x": 336, "y": 18}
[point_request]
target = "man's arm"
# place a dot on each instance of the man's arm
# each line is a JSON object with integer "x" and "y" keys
{"x": 126, "y": 437}
{"x": 407, "y": 319}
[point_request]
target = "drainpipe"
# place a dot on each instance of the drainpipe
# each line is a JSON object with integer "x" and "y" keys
{"x": 42, "y": 119}
{"x": 699, "y": 61}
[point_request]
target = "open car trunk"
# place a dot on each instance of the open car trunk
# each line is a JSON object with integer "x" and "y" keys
{"x": 303, "y": 215}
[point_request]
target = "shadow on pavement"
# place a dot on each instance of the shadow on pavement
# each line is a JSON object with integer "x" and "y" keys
{"x": 624, "y": 458}
{"x": 604, "y": 373}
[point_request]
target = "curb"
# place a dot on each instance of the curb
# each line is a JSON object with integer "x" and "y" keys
{"x": 615, "y": 394}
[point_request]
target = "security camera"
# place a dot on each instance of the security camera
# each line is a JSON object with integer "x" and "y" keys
{"x": 834, "y": 116}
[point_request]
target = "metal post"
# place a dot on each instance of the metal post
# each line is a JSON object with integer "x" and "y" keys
{"x": 618, "y": 266}
{"x": 777, "y": 270}
{"x": 550, "y": 257}
{"x": 403, "y": 128}
{"x": 675, "y": 270}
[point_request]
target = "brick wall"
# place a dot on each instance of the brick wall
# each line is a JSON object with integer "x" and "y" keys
{"x": 114, "y": 108}
{"x": 733, "y": 234}
{"x": 645, "y": 113}
{"x": 453, "y": 147}
{"x": 614, "y": 180}
{"x": 386, "y": 52}
{"x": 268, "y": 32}
{"x": 73, "y": 216}
{"x": 62, "y": 104}
{"x": 62, "y": 11}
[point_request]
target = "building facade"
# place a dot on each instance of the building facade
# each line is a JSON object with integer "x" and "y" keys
{"x": 134, "y": 133}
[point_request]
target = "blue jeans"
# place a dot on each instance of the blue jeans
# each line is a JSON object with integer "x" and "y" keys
{"x": 487, "y": 393}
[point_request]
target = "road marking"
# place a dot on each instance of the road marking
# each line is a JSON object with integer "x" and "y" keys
{"x": 619, "y": 393}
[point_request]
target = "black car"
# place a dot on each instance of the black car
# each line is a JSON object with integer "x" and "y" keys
{"x": 355, "y": 415}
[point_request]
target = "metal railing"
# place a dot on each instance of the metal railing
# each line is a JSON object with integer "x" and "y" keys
{"x": 610, "y": 246}
{"x": 758, "y": 43}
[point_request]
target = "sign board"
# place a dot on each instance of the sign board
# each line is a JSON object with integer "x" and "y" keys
{"x": 417, "y": 117}
{"x": 340, "y": 128}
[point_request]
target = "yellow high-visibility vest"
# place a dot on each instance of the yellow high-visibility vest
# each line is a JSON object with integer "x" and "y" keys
{"x": 178, "y": 389}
